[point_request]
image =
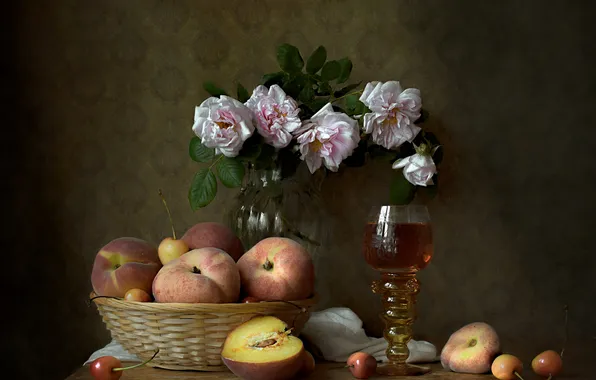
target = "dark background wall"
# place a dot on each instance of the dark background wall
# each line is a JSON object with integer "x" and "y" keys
{"x": 98, "y": 101}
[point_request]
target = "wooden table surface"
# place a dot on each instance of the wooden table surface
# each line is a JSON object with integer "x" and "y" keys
{"x": 324, "y": 371}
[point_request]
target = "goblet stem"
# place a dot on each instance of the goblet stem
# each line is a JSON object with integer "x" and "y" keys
{"x": 398, "y": 292}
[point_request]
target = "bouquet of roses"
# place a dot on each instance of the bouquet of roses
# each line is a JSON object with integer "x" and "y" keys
{"x": 307, "y": 112}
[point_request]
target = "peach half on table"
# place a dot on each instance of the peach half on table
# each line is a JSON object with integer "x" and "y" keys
{"x": 205, "y": 275}
{"x": 277, "y": 268}
{"x": 124, "y": 263}
{"x": 217, "y": 235}
{"x": 262, "y": 348}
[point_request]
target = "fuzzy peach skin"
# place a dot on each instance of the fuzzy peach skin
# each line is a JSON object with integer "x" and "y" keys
{"x": 216, "y": 235}
{"x": 471, "y": 349}
{"x": 123, "y": 264}
{"x": 277, "y": 269}
{"x": 205, "y": 275}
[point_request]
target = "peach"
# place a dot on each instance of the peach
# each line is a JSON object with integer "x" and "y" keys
{"x": 277, "y": 268}
{"x": 216, "y": 235}
{"x": 123, "y": 264}
{"x": 205, "y": 275}
{"x": 308, "y": 365}
{"x": 262, "y": 348}
{"x": 471, "y": 349}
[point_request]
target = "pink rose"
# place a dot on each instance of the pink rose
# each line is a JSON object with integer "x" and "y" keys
{"x": 328, "y": 138}
{"x": 275, "y": 115}
{"x": 393, "y": 113}
{"x": 224, "y": 124}
{"x": 418, "y": 169}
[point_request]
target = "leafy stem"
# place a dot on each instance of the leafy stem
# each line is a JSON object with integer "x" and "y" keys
{"x": 333, "y": 100}
{"x": 216, "y": 161}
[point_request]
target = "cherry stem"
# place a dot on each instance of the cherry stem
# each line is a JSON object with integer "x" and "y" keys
{"x": 302, "y": 310}
{"x": 518, "y": 375}
{"x": 550, "y": 376}
{"x": 136, "y": 365}
{"x": 163, "y": 199}
{"x": 566, "y": 330}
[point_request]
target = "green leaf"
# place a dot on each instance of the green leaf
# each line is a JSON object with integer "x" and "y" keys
{"x": 324, "y": 88}
{"x": 317, "y": 104}
{"x": 251, "y": 148}
{"x": 354, "y": 105}
{"x": 377, "y": 151}
{"x": 199, "y": 152}
{"x": 202, "y": 189}
{"x": 345, "y": 90}
{"x": 230, "y": 172}
{"x": 243, "y": 94}
{"x": 294, "y": 86}
{"x": 289, "y": 58}
{"x": 273, "y": 78}
{"x": 213, "y": 90}
{"x": 316, "y": 60}
{"x": 330, "y": 71}
{"x": 401, "y": 191}
{"x": 307, "y": 94}
{"x": 345, "y": 70}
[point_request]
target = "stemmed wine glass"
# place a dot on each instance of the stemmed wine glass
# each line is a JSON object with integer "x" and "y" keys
{"x": 398, "y": 243}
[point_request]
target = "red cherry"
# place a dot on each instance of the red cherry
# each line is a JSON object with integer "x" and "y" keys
{"x": 110, "y": 368}
{"x": 547, "y": 363}
{"x": 362, "y": 365}
{"x": 250, "y": 299}
{"x": 102, "y": 368}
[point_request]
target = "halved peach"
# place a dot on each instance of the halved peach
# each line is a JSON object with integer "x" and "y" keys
{"x": 262, "y": 348}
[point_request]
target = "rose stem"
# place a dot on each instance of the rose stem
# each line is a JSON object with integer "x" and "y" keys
{"x": 169, "y": 214}
{"x": 136, "y": 365}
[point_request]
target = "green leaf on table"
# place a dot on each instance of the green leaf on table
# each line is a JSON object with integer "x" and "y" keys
{"x": 345, "y": 90}
{"x": 202, "y": 189}
{"x": 242, "y": 92}
{"x": 401, "y": 192}
{"x": 213, "y": 89}
{"x": 345, "y": 70}
{"x": 330, "y": 71}
{"x": 230, "y": 172}
{"x": 289, "y": 58}
{"x": 199, "y": 152}
{"x": 273, "y": 78}
{"x": 316, "y": 60}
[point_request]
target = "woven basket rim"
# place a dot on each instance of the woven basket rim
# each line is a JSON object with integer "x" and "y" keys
{"x": 253, "y": 307}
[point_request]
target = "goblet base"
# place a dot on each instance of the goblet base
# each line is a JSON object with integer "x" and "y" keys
{"x": 392, "y": 369}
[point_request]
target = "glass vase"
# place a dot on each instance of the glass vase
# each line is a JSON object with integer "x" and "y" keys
{"x": 272, "y": 205}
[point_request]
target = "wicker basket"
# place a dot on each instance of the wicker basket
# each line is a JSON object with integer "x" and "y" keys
{"x": 189, "y": 336}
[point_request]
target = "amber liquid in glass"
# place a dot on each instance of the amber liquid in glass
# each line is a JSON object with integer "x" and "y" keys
{"x": 398, "y": 246}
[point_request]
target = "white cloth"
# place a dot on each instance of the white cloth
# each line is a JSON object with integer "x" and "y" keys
{"x": 336, "y": 332}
